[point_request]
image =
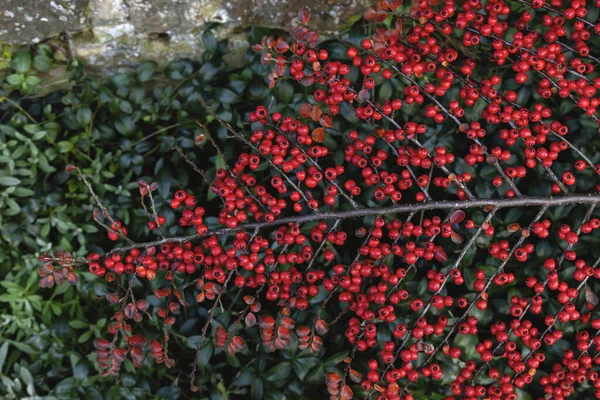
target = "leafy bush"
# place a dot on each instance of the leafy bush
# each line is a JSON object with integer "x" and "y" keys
{"x": 122, "y": 130}
{"x": 352, "y": 211}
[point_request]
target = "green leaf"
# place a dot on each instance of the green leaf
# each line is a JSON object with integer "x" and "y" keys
{"x": 258, "y": 387}
{"x": 335, "y": 359}
{"x": 227, "y": 96}
{"x": 205, "y": 354}
{"x": 278, "y": 373}
{"x": 210, "y": 42}
{"x": 385, "y": 91}
{"x": 64, "y": 387}
{"x": 26, "y": 376}
{"x": 9, "y": 181}
{"x": 3, "y": 354}
{"x": 219, "y": 162}
{"x": 302, "y": 366}
{"x": 284, "y": 91}
{"x": 145, "y": 71}
{"x": 80, "y": 370}
{"x": 21, "y": 62}
{"x": 32, "y": 80}
{"x": 169, "y": 392}
{"x": 76, "y": 324}
{"x": 42, "y": 63}
{"x": 15, "y": 79}
{"x": 84, "y": 116}
{"x": 125, "y": 106}
{"x": 125, "y": 125}
{"x": 65, "y": 146}
{"x": 85, "y": 337}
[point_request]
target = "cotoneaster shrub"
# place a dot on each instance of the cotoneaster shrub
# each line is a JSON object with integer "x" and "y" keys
{"x": 436, "y": 289}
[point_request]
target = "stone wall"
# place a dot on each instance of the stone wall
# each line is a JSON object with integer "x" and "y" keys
{"x": 114, "y": 33}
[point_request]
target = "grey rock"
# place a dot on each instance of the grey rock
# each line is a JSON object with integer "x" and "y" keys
{"x": 117, "y": 33}
{"x": 31, "y": 21}
{"x": 326, "y": 15}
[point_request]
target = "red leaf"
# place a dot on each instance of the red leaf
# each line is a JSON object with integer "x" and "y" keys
{"x": 315, "y": 113}
{"x": 346, "y": 393}
{"x": 355, "y": 376}
{"x": 305, "y": 110}
{"x": 101, "y": 344}
{"x": 321, "y": 327}
{"x": 250, "y": 320}
{"x": 513, "y": 227}
{"x": 439, "y": 254}
{"x": 307, "y": 80}
{"x": 326, "y": 121}
{"x": 199, "y": 139}
{"x": 70, "y": 168}
{"x": 302, "y": 331}
{"x": 364, "y": 96}
{"x": 456, "y": 238}
{"x": 457, "y": 217}
{"x": 281, "y": 46}
{"x": 138, "y": 341}
{"x": 369, "y": 13}
{"x": 142, "y": 305}
{"x": 591, "y": 297}
{"x": 304, "y": 15}
{"x": 318, "y": 135}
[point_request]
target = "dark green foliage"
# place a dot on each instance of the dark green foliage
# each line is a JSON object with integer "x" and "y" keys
{"x": 121, "y": 130}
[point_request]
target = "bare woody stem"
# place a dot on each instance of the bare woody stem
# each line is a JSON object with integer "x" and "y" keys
{"x": 105, "y": 212}
{"x": 398, "y": 209}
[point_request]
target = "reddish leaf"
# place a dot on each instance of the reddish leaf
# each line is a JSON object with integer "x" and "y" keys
{"x": 457, "y": 217}
{"x": 250, "y": 320}
{"x": 70, "y": 168}
{"x": 321, "y": 327}
{"x": 513, "y": 227}
{"x": 355, "y": 376}
{"x": 281, "y": 46}
{"x": 326, "y": 121}
{"x": 266, "y": 321}
{"x": 266, "y": 58}
{"x": 307, "y": 80}
{"x": 305, "y": 110}
{"x": 591, "y": 297}
{"x": 318, "y": 135}
{"x": 315, "y": 113}
{"x": 101, "y": 344}
{"x": 456, "y": 238}
{"x": 491, "y": 159}
{"x": 360, "y": 232}
{"x": 72, "y": 278}
{"x": 346, "y": 393}
{"x": 138, "y": 341}
{"x": 199, "y": 139}
{"x": 302, "y": 331}
{"x": 363, "y": 96}
{"x": 238, "y": 342}
{"x": 112, "y": 298}
{"x": 304, "y": 15}
{"x": 256, "y": 307}
{"x": 130, "y": 310}
{"x": 332, "y": 379}
{"x": 439, "y": 254}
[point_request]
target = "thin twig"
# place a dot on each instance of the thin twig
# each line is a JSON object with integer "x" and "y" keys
{"x": 402, "y": 208}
